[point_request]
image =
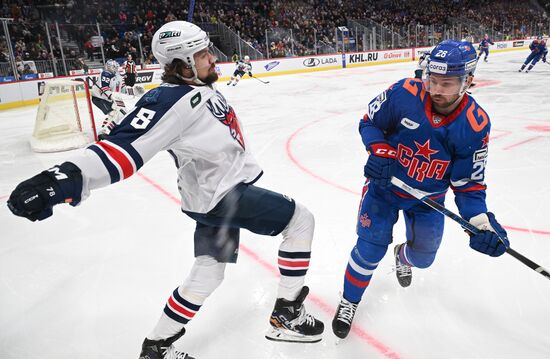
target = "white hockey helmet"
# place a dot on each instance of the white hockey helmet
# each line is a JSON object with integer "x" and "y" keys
{"x": 179, "y": 40}
{"x": 112, "y": 66}
{"x": 247, "y": 58}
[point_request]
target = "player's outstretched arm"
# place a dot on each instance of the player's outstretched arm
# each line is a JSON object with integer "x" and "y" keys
{"x": 35, "y": 197}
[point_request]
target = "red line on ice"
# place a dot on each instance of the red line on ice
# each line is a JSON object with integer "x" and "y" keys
{"x": 530, "y": 139}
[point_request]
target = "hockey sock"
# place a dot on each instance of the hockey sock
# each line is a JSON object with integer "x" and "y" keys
{"x": 295, "y": 252}
{"x": 403, "y": 256}
{"x": 177, "y": 312}
{"x": 358, "y": 275}
{"x": 205, "y": 276}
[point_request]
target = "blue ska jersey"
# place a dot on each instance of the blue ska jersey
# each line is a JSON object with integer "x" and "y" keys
{"x": 538, "y": 47}
{"x": 484, "y": 44}
{"x": 434, "y": 152}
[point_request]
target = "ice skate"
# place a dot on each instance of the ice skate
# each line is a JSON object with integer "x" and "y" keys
{"x": 291, "y": 323}
{"x": 162, "y": 349}
{"x": 341, "y": 324}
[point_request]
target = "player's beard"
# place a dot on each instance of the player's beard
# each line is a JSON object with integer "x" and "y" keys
{"x": 443, "y": 102}
{"x": 211, "y": 77}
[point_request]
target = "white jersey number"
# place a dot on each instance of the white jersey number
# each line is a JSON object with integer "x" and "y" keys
{"x": 142, "y": 119}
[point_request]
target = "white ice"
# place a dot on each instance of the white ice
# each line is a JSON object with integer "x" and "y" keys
{"x": 91, "y": 281}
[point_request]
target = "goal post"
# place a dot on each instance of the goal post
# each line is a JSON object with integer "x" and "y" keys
{"x": 65, "y": 118}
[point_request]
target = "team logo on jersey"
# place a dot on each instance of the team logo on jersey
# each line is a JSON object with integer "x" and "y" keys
{"x": 420, "y": 169}
{"x": 436, "y": 119}
{"x": 225, "y": 114}
{"x": 365, "y": 220}
{"x": 410, "y": 124}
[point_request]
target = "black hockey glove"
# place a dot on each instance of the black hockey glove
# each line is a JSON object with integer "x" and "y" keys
{"x": 492, "y": 239}
{"x": 381, "y": 164}
{"x": 35, "y": 197}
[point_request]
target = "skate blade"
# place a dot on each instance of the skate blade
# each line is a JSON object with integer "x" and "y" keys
{"x": 285, "y": 335}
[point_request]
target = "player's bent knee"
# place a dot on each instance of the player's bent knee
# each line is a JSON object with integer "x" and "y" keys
{"x": 298, "y": 234}
{"x": 370, "y": 251}
{"x": 420, "y": 259}
{"x": 206, "y": 275}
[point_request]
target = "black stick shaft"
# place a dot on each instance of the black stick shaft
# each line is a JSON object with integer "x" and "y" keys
{"x": 465, "y": 224}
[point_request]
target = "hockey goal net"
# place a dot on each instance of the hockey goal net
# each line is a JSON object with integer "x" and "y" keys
{"x": 65, "y": 119}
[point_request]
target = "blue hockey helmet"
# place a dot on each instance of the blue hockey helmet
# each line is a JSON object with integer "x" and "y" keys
{"x": 452, "y": 58}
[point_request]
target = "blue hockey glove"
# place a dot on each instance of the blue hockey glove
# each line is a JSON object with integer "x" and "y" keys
{"x": 492, "y": 240}
{"x": 35, "y": 197}
{"x": 381, "y": 164}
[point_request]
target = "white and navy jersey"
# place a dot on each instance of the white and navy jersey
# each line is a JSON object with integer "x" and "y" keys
{"x": 423, "y": 60}
{"x": 107, "y": 84}
{"x": 243, "y": 66}
{"x": 199, "y": 129}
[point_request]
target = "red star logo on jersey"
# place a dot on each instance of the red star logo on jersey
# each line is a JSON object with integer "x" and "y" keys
{"x": 485, "y": 140}
{"x": 425, "y": 150}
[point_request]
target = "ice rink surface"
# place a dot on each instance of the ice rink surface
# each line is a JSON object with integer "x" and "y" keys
{"x": 91, "y": 281}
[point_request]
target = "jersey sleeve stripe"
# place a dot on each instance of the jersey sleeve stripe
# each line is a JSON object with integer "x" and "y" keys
{"x": 112, "y": 169}
{"x": 122, "y": 159}
{"x": 128, "y": 150}
{"x": 476, "y": 187}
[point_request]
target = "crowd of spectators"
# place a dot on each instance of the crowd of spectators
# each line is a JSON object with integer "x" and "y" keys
{"x": 274, "y": 28}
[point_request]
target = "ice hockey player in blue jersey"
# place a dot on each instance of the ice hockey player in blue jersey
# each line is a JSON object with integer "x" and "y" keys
{"x": 433, "y": 136}
{"x": 484, "y": 47}
{"x": 216, "y": 175}
{"x": 538, "y": 51}
{"x": 242, "y": 68}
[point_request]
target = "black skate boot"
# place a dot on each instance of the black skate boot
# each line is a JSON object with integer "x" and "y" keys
{"x": 341, "y": 324}
{"x": 403, "y": 271}
{"x": 290, "y": 322}
{"x": 162, "y": 349}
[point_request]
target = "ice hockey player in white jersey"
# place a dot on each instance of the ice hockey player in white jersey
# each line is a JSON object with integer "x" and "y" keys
{"x": 242, "y": 68}
{"x": 191, "y": 120}
{"x": 109, "y": 82}
{"x": 422, "y": 63}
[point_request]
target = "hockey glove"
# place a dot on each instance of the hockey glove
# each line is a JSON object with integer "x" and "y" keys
{"x": 35, "y": 197}
{"x": 492, "y": 240}
{"x": 250, "y": 74}
{"x": 381, "y": 164}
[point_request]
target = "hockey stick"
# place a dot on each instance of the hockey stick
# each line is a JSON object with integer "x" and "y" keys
{"x": 262, "y": 81}
{"x": 423, "y": 197}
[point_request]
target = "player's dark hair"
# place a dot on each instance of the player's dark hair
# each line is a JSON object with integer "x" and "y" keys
{"x": 172, "y": 70}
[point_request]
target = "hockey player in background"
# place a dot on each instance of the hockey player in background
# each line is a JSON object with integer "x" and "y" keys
{"x": 243, "y": 66}
{"x": 433, "y": 136}
{"x": 422, "y": 63}
{"x": 484, "y": 47}
{"x": 190, "y": 119}
{"x": 110, "y": 82}
{"x": 538, "y": 51}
